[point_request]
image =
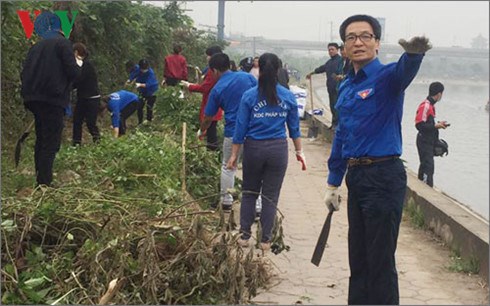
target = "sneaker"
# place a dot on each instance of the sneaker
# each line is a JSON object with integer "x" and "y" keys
{"x": 265, "y": 246}
{"x": 244, "y": 243}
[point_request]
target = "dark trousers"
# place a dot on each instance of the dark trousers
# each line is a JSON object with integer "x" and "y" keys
{"x": 149, "y": 101}
{"x": 172, "y": 81}
{"x": 49, "y": 127}
{"x": 86, "y": 110}
{"x": 125, "y": 113}
{"x": 264, "y": 166}
{"x": 332, "y": 97}
{"x": 212, "y": 137}
{"x": 426, "y": 157}
{"x": 375, "y": 201}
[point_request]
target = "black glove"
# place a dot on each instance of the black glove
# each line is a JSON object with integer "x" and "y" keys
{"x": 416, "y": 45}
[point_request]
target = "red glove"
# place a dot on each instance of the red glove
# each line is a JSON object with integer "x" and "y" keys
{"x": 300, "y": 156}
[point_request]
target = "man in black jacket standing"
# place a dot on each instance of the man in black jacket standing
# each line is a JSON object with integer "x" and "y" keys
{"x": 48, "y": 72}
{"x": 330, "y": 68}
{"x": 88, "y": 97}
{"x": 428, "y": 132}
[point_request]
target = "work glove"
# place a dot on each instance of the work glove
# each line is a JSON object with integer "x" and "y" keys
{"x": 200, "y": 135}
{"x": 79, "y": 61}
{"x": 300, "y": 156}
{"x": 138, "y": 85}
{"x": 416, "y": 45}
{"x": 185, "y": 83}
{"x": 332, "y": 198}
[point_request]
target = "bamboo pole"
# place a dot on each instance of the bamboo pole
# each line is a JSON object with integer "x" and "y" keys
{"x": 184, "y": 134}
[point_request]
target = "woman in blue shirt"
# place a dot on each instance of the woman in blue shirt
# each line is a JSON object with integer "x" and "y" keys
{"x": 265, "y": 111}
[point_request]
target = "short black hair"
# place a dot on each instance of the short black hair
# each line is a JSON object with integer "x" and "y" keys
{"x": 144, "y": 64}
{"x": 332, "y": 44}
{"x": 356, "y": 18}
{"x": 213, "y": 50}
{"x": 177, "y": 49}
{"x": 435, "y": 88}
{"x": 220, "y": 62}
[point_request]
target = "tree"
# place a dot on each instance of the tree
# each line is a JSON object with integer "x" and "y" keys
{"x": 479, "y": 42}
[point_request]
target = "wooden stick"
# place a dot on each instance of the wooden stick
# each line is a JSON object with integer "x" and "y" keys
{"x": 184, "y": 132}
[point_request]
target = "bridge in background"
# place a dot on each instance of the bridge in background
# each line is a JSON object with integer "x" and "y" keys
{"x": 259, "y": 43}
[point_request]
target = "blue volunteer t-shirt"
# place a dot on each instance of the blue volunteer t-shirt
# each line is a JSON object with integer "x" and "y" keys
{"x": 150, "y": 80}
{"x": 117, "y": 102}
{"x": 227, "y": 94}
{"x": 258, "y": 120}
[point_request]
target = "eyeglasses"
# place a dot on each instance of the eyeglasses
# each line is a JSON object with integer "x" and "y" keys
{"x": 364, "y": 37}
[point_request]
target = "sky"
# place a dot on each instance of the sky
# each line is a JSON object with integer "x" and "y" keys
{"x": 446, "y": 23}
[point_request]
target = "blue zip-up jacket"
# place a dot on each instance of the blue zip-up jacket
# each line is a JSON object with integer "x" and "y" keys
{"x": 227, "y": 94}
{"x": 117, "y": 102}
{"x": 370, "y": 108}
{"x": 151, "y": 82}
{"x": 259, "y": 121}
{"x": 134, "y": 72}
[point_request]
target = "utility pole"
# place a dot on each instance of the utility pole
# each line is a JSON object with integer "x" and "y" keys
{"x": 221, "y": 19}
{"x": 331, "y": 31}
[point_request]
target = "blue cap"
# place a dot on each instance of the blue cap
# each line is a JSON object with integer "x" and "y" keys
{"x": 47, "y": 25}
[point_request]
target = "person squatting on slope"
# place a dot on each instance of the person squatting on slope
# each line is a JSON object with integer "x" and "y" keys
{"x": 121, "y": 104}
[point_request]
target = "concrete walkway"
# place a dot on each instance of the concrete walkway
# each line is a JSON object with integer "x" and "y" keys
{"x": 422, "y": 262}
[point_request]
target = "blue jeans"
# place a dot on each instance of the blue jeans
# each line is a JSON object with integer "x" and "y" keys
{"x": 264, "y": 166}
{"x": 375, "y": 202}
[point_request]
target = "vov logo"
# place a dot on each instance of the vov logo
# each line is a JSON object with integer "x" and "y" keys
{"x": 28, "y": 24}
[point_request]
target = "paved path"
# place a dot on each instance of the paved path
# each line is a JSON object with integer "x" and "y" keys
{"x": 421, "y": 260}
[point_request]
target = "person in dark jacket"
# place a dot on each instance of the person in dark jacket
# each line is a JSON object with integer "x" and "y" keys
{"x": 330, "y": 69}
{"x": 282, "y": 75}
{"x": 428, "y": 132}
{"x": 88, "y": 97}
{"x": 147, "y": 85}
{"x": 47, "y": 75}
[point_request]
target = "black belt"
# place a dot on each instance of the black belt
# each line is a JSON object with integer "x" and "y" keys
{"x": 364, "y": 161}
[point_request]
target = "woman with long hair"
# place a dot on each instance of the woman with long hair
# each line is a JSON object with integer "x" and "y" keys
{"x": 264, "y": 113}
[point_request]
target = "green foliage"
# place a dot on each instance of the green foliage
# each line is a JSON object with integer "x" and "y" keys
{"x": 415, "y": 213}
{"x": 469, "y": 265}
{"x": 114, "y": 33}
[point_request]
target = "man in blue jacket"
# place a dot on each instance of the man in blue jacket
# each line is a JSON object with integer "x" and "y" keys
{"x": 121, "y": 104}
{"x": 368, "y": 142}
{"x": 147, "y": 85}
{"x": 47, "y": 75}
{"x": 226, "y": 94}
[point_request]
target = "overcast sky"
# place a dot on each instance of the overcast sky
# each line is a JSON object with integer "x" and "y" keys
{"x": 446, "y": 23}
